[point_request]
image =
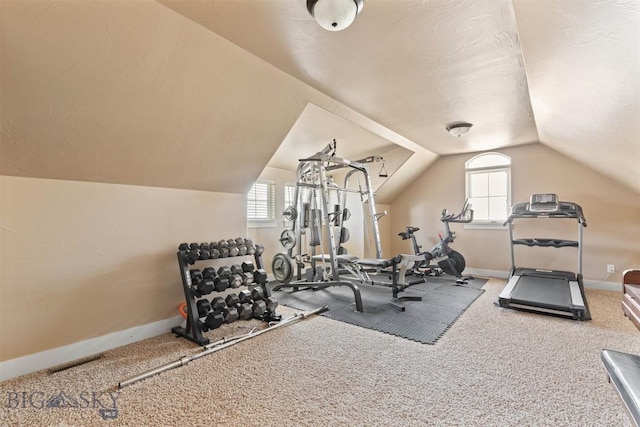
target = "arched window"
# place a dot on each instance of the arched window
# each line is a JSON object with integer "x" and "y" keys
{"x": 488, "y": 187}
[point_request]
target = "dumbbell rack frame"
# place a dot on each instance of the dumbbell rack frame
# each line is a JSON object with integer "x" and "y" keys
{"x": 192, "y": 331}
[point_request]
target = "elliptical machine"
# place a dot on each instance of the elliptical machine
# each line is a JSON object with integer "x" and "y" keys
{"x": 447, "y": 260}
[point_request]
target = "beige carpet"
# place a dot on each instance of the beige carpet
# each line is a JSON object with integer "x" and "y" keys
{"x": 494, "y": 367}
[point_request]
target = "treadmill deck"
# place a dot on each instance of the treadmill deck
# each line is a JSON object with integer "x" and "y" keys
{"x": 546, "y": 294}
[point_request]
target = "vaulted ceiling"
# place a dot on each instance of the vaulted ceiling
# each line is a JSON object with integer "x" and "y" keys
{"x": 203, "y": 94}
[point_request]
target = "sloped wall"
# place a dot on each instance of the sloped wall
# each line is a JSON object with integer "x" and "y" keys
{"x": 81, "y": 260}
{"x": 131, "y": 92}
{"x": 611, "y": 209}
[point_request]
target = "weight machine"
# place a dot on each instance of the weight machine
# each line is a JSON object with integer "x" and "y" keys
{"x": 327, "y": 258}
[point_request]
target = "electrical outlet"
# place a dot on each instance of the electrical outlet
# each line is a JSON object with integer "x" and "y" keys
{"x": 611, "y": 268}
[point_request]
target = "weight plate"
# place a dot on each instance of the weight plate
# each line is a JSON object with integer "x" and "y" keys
{"x": 282, "y": 267}
{"x": 288, "y": 239}
{"x": 290, "y": 213}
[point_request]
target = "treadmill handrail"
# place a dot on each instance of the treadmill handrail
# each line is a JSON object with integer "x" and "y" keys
{"x": 555, "y": 243}
{"x": 565, "y": 210}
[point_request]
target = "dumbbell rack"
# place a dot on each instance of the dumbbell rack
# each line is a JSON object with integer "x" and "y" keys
{"x": 193, "y": 331}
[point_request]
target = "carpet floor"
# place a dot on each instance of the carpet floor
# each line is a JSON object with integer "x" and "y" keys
{"x": 493, "y": 367}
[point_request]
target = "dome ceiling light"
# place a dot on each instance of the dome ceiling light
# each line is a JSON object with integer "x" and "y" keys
{"x": 334, "y": 15}
{"x": 459, "y": 128}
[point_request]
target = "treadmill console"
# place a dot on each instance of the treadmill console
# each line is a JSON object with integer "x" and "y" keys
{"x": 547, "y": 202}
{"x": 546, "y": 206}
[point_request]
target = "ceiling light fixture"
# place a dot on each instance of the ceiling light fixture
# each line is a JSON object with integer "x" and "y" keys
{"x": 334, "y": 15}
{"x": 458, "y": 129}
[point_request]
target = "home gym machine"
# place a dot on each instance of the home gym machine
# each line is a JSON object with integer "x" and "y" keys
{"x": 447, "y": 260}
{"x": 327, "y": 259}
{"x": 554, "y": 292}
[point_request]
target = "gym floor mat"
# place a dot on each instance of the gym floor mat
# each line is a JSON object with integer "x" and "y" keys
{"x": 424, "y": 321}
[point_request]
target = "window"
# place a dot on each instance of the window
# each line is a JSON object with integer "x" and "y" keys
{"x": 261, "y": 201}
{"x": 488, "y": 187}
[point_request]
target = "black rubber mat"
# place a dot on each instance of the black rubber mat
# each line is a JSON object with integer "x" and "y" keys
{"x": 424, "y": 321}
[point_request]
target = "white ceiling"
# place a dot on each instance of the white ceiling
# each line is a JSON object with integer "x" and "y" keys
{"x": 203, "y": 94}
{"x": 561, "y": 72}
{"x": 315, "y": 128}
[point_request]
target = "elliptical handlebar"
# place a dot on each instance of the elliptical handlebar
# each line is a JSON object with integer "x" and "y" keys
{"x": 465, "y": 216}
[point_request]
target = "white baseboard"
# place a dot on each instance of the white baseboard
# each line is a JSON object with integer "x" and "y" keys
{"x": 486, "y": 273}
{"x": 58, "y": 356}
{"x": 603, "y": 286}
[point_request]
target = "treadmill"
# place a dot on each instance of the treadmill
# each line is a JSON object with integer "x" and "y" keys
{"x": 554, "y": 292}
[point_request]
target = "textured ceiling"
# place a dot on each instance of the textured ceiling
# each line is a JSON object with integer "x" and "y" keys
{"x": 561, "y": 72}
{"x": 412, "y": 66}
{"x": 583, "y": 68}
{"x": 203, "y": 94}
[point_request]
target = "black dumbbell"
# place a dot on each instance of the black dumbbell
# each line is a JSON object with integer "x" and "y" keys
{"x": 205, "y": 251}
{"x": 235, "y": 281}
{"x": 213, "y": 321}
{"x": 204, "y": 287}
{"x": 259, "y": 249}
{"x": 230, "y": 314}
{"x": 233, "y": 250}
{"x": 260, "y": 276}
{"x": 209, "y": 273}
{"x": 272, "y": 304}
{"x": 213, "y": 250}
{"x": 204, "y": 307}
{"x": 224, "y": 271}
{"x": 258, "y": 308}
{"x": 218, "y": 304}
{"x": 242, "y": 247}
{"x": 251, "y": 248}
{"x": 232, "y": 300}
{"x": 236, "y": 269}
{"x": 245, "y": 297}
{"x": 257, "y": 293}
{"x": 221, "y": 283}
{"x": 247, "y": 267}
{"x": 247, "y": 278}
{"x": 196, "y": 275}
{"x": 223, "y": 248}
{"x": 242, "y": 250}
{"x": 192, "y": 255}
{"x": 183, "y": 247}
{"x": 245, "y": 311}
